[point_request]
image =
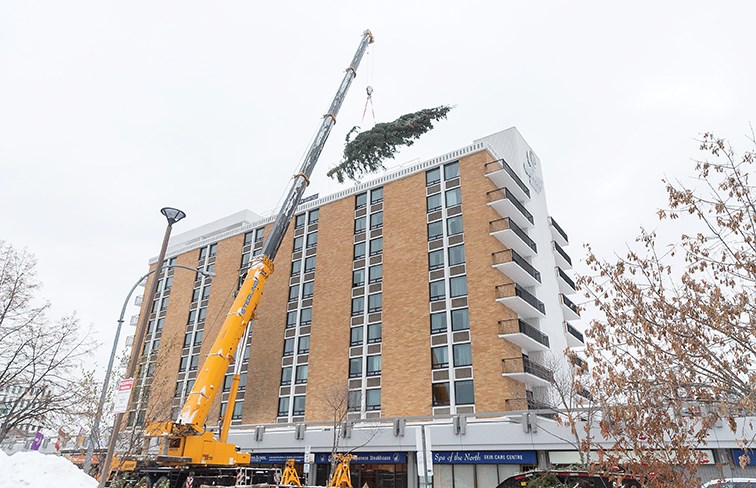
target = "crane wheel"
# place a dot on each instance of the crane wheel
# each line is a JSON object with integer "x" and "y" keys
{"x": 121, "y": 482}
{"x": 144, "y": 482}
{"x": 162, "y": 482}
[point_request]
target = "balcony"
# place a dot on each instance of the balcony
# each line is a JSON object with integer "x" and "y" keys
{"x": 516, "y": 268}
{"x": 526, "y": 371}
{"x": 563, "y": 260}
{"x": 524, "y": 335}
{"x": 503, "y": 175}
{"x": 557, "y": 233}
{"x": 134, "y": 320}
{"x": 566, "y": 285}
{"x": 512, "y": 236}
{"x": 570, "y": 310}
{"x": 504, "y": 202}
{"x": 520, "y": 300}
{"x": 574, "y": 336}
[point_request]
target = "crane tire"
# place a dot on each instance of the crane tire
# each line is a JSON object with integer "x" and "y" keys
{"x": 162, "y": 482}
{"x": 144, "y": 482}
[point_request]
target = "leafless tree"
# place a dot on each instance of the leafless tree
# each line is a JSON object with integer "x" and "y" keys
{"x": 41, "y": 361}
{"x": 677, "y": 326}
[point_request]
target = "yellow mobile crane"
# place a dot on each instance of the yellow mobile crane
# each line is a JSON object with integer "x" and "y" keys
{"x": 191, "y": 455}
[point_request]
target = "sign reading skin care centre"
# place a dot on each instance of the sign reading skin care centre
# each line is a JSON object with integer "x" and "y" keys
{"x": 484, "y": 457}
{"x": 122, "y": 394}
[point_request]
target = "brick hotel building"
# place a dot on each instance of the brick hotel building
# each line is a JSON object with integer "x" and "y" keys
{"x": 431, "y": 294}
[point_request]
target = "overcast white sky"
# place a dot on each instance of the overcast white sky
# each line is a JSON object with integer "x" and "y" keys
{"x": 111, "y": 110}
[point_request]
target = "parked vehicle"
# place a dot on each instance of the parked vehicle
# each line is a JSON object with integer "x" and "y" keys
{"x": 731, "y": 483}
{"x": 573, "y": 479}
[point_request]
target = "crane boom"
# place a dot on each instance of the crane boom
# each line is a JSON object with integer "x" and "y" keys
{"x": 189, "y": 442}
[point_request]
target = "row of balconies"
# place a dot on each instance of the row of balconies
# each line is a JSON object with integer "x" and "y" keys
{"x": 509, "y": 199}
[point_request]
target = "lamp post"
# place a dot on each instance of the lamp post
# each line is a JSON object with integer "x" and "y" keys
{"x": 172, "y": 215}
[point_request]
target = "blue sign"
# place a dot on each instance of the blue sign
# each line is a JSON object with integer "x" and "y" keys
{"x": 484, "y": 457}
{"x": 275, "y": 458}
{"x": 309, "y": 199}
{"x": 736, "y": 453}
{"x": 369, "y": 458}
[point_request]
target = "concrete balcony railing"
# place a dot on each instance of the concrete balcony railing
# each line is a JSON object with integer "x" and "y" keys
{"x": 503, "y": 175}
{"x": 507, "y": 204}
{"x": 558, "y": 233}
{"x": 524, "y": 370}
{"x": 516, "y": 267}
{"x": 574, "y": 337}
{"x": 520, "y": 300}
{"x": 526, "y": 336}
{"x": 513, "y": 236}
{"x": 570, "y": 310}
{"x": 561, "y": 257}
{"x": 566, "y": 284}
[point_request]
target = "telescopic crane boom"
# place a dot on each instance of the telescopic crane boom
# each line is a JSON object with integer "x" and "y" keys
{"x": 188, "y": 441}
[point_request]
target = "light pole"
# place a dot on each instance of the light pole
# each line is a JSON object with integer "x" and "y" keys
{"x": 173, "y": 215}
{"x": 106, "y": 382}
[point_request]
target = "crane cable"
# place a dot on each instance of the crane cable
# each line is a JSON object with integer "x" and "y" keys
{"x": 369, "y": 89}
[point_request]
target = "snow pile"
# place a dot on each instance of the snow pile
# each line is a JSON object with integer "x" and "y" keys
{"x": 35, "y": 470}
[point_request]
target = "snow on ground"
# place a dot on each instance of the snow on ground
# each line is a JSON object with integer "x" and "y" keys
{"x": 35, "y": 470}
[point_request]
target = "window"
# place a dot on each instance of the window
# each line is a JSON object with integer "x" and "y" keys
{"x": 196, "y": 294}
{"x": 286, "y": 375}
{"x": 314, "y": 216}
{"x": 245, "y": 259}
{"x": 227, "y": 380}
{"x": 293, "y": 293}
{"x": 187, "y": 339}
{"x": 376, "y": 195}
{"x": 373, "y": 399}
{"x": 160, "y": 323}
{"x": 376, "y": 220}
{"x": 308, "y": 289}
{"x": 246, "y": 353}
{"x": 373, "y": 365}
{"x": 453, "y": 197}
{"x": 312, "y": 239}
{"x": 194, "y": 363}
{"x": 375, "y": 332}
{"x": 202, "y": 254}
{"x": 164, "y": 303}
{"x": 358, "y": 277}
{"x": 355, "y": 400}
{"x": 359, "y": 250}
{"x": 304, "y": 345}
{"x": 360, "y": 200}
{"x": 438, "y": 322}
{"x": 243, "y": 381}
{"x": 376, "y": 246}
{"x": 376, "y": 273}
{"x": 206, "y": 292}
{"x": 437, "y": 290}
{"x": 248, "y": 238}
{"x": 459, "y": 319}
{"x": 358, "y": 305}
{"x": 299, "y": 405}
{"x": 291, "y": 319}
{"x": 168, "y": 283}
{"x": 454, "y": 225}
{"x": 198, "y": 337}
{"x": 451, "y": 170}
{"x": 237, "y": 414}
{"x": 463, "y": 392}
{"x": 213, "y": 249}
{"x": 183, "y": 362}
{"x": 298, "y": 243}
{"x": 432, "y": 176}
{"x": 202, "y": 315}
{"x": 301, "y": 374}
{"x": 462, "y": 355}
{"x": 433, "y": 202}
{"x": 259, "y": 234}
{"x": 458, "y": 286}
{"x": 359, "y": 225}
{"x": 288, "y": 347}
{"x": 436, "y": 259}
{"x": 299, "y": 221}
{"x": 435, "y": 230}
{"x": 456, "y": 255}
{"x": 355, "y": 336}
{"x": 305, "y": 316}
{"x": 375, "y": 302}
{"x": 439, "y": 357}
{"x": 180, "y": 389}
{"x": 441, "y": 394}
{"x": 309, "y": 264}
{"x": 296, "y": 267}
{"x": 355, "y": 367}
{"x": 283, "y": 406}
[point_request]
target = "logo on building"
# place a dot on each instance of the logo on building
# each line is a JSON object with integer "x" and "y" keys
{"x": 530, "y": 166}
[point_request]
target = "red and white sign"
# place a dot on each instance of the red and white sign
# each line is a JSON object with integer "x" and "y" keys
{"x": 122, "y": 394}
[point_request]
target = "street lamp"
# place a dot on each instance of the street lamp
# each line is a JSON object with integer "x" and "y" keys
{"x": 173, "y": 215}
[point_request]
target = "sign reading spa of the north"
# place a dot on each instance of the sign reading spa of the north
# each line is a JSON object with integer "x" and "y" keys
{"x": 484, "y": 457}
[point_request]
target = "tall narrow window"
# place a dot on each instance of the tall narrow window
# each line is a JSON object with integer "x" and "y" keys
{"x": 441, "y": 394}
{"x": 376, "y": 195}
{"x": 433, "y": 176}
{"x": 436, "y": 259}
{"x": 376, "y": 246}
{"x": 438, "y": 322}
{"x": 314, "y": 216}
{"x": 373, "y": 365}
{"x": 375, "y": 303}
{"x": 360, "y": 200}
{"x": 462, "y": 355}
{"x": 376, "y": 273}
{"x": 299, "y": 405}
{"x": 360, "y": 224}
{"x": 458, "y": 286}
{"x": 312, "y": 239}
{"x": 286, "y": 375}
{"x": 453, "y": 197}
{"x": 375, "y": 332}
{"x": 301, "y": 374}
{"x": 373, "y": 399}
{"x": 435, "y": 230}
{"x": 355, "y": 367}
{"x": 437, "y": 290}
{"x": 355, "y": 336}
{"x": 451, "y": 170}
{"x": 299, "y": 221}
{"x": 359, "y": 250}
{"x": 439, "y": 357}
{"x": 283, "y": 406}
{"x": 459, "y": 319}
{"x": 454, "y": 225}
{"x": 463, "y": 392}
{"x": 433, "y": 202}
{"x": 376, "y": 220}
{"x": 358, "y": 277}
